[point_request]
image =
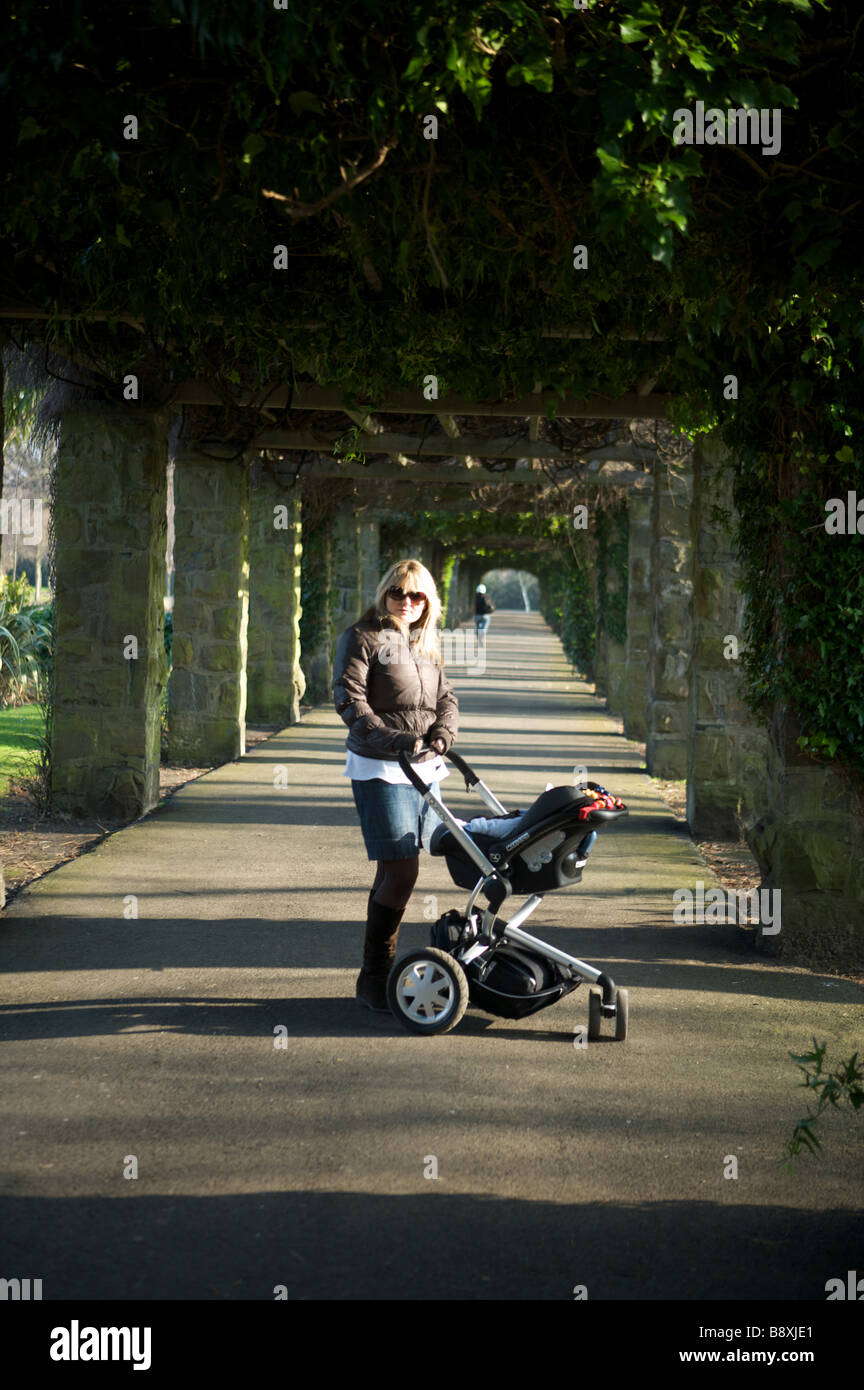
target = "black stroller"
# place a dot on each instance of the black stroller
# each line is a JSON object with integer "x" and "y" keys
{"x": 493, "y": 963}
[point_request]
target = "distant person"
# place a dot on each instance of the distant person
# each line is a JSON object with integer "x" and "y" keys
{"x": 483, "y": 609}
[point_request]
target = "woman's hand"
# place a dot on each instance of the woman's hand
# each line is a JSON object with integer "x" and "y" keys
{"x": 437, "y": 743}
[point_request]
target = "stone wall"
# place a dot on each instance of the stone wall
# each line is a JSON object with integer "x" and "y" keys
{"x": 340, "y": 575}
{"x": 111, "y": 668}
{"x": 669, "y": 640}
{"x": 611, "y": 588}
{"x": 369, "y": 543}
{"x": 276, "y": 683}
{"x": 809, "y": 842}
{"x": 354, "y": 571}
{"x": 316, "y": 629}
{"x": 727, "y": 750}
{"x": 600, "y": 668}
{"x": 639, "y": 612}
{"x": 207, "y": 691}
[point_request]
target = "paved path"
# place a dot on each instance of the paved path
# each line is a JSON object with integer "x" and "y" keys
{"x": 304, "y": 1166}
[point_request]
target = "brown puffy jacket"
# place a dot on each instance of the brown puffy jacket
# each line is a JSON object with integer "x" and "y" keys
{"x": 387, "y": 695}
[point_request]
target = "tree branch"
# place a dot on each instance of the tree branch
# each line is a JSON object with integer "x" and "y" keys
{"x": 311, "y": 209}
{"x": 445, "y": 284}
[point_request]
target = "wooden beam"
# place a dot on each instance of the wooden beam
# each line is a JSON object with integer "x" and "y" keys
{"x": 451, "y": 429}
{"x": 627, "y": 335}
{"x": 325, "y": 398}
{"x": 11, "y": 310}
{"x": 388, "y": 470}
{"x": 413, "y": 446}
{"x": 426, "y": 474}
{"x": 534, "y": 420}
{"x": 365, "y": 421}
{"x": 368, "y": 423}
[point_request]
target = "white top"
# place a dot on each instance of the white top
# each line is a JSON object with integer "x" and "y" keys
{"x": 361, "y": 769}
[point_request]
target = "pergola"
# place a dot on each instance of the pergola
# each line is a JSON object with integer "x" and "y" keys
{"x": 240, "y": 573}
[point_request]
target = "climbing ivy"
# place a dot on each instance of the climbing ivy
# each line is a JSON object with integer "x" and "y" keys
{"x": 567, "y": 604}
{"x": 445, "y": 581}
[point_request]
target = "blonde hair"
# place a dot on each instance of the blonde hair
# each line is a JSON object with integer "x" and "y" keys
{"x": 411, "y": 575}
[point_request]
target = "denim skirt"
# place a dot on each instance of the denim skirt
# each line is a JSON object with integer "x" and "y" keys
{"x": 395, "y": 820}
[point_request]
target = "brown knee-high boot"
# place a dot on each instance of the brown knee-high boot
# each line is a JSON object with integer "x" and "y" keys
{"x": 379, "y": 952}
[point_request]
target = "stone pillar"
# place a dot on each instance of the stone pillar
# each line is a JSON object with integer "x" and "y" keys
{"x": 616, "y": 657}
{"x": 610, "y": 604}
{"x": 457, "y": 604}
{"x": 601, "y": 662}
{"x": 346, "y": 584}
{"x": 599, "y": 668}
{"x": 466, "y": 590}
{"x": 110, "y": 664}
{"x": 669, "y": 644}
{"x": 316, "y": 628}
{"x": 341, "y": 573}
{"x": 276, "y": 683}
{"x": 369, "y": 543}
{"x": 639, "y": 616}
{"x": 207, "y": 691}
{"x": 727, "y": 751}
{"x": 809, "y": 842}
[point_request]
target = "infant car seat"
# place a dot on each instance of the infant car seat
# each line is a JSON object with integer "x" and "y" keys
{"x": 542, "y": 852}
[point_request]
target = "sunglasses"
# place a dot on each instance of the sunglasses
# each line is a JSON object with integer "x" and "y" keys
{"x": 398, "y": 594}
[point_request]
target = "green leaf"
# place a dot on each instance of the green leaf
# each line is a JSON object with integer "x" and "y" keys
{"x": 699, "y": 59}
{"x": 631, "y": 31}
{"x": 610, "y": 160}
{"x": 29, "y": 129}
{"x": 254, "y": 144}
{"x": 304, "y": 101}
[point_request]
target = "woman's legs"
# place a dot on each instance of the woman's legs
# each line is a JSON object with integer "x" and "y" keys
{"x": 394, "y": 881}
{"x": 388, "y": 898}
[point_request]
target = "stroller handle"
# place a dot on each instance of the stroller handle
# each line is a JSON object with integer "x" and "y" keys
{"x": 471, "y": 778}
{"x": 597, "y": 816}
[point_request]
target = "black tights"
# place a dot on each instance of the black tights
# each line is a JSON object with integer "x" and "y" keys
{"x": 394, "y": 881}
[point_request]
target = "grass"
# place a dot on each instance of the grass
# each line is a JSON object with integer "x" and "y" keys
{"x": 21, "y": 730}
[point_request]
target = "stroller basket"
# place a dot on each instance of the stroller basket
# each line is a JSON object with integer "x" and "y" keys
{"x": 475, "y": 954}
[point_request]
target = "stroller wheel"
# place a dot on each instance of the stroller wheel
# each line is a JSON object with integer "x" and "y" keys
{"x": 427, "y": 991}
{"x": 595, "y": 1017}
{"x": 595, "y": 998}
{"x": 622, "y": 1016}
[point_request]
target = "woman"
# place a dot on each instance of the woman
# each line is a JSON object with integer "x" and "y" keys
{"x": 390, "y": 689}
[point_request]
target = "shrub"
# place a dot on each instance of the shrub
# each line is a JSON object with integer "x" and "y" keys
{"x": 25, "y": 651}
{"x": 841, "y": 1086}
{"x": 17, "y": 593}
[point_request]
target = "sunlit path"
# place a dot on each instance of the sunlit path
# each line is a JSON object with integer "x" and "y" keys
{"x": 152, "y": 1036}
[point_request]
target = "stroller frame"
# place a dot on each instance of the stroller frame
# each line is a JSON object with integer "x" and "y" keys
{"x": 483, "y": 932}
